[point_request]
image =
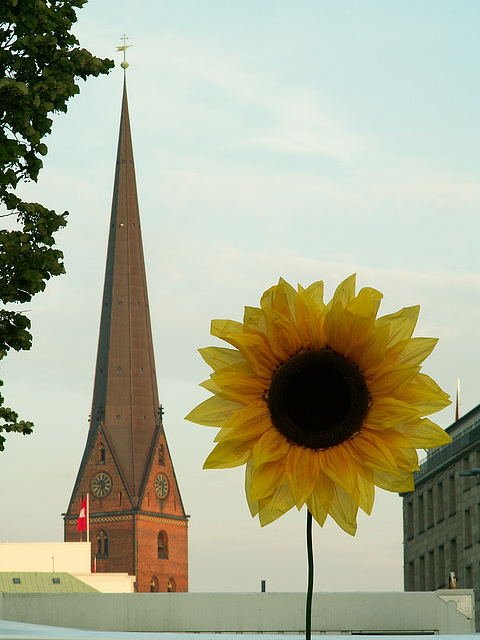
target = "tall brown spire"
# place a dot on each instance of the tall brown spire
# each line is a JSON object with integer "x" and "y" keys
{"x": 125, "y": 397}
{"x": 126, "y": 465}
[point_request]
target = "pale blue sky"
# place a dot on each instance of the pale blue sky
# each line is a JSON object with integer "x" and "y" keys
{"x": 303, "y": 139}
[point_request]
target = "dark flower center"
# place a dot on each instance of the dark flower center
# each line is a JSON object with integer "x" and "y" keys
{"x": 318, "y": 399}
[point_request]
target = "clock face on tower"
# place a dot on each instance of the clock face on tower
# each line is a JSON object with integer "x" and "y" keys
{"x": 101, "y": 485}
{"x": 161, "y": 486}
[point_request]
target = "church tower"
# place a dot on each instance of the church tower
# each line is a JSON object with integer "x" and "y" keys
{"x": 137, "y": 522}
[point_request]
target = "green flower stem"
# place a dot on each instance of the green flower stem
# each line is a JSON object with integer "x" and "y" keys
{"x": 308, "y": 605}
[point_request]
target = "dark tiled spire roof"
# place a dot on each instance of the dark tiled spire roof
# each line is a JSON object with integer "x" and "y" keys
{"x": 125, "y": 396}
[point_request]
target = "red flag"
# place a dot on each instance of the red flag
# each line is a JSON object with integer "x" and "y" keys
{"x": 82, "y": 517}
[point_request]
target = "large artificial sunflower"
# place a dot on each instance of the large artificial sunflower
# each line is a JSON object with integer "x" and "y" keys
{"x": 322, "y": 402}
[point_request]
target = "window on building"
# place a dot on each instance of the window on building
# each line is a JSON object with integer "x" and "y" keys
{"x": 56, "y": 580}
{"x": 453, "y": 556}
{"x": 431, "y": 570}
{"x": 410, "y": 519}
{"x": 102, "y": 544}
{"x": 467, "y": 480}
{"x": 477, "y": 465}
{"x": 161, "y": 455}
{"x": 421, "y": 514}
{"x": 171, "y": 586}
{"x": 441, "y": 566}
{"x": 440, "y": 504}
{"x": 452, "y": 506}
{"x": 411, "y": 576}
{"x": 154, "y": 585}
{"x": 467, "y": 527}
{"x": 422, "y": 573}
{"x": 468, "y": 577}
{"x": 16, "y": 581}
{"x": 162, "y": 545}
{"x": 430, "y": 508}
{"x": 101, "y": 454}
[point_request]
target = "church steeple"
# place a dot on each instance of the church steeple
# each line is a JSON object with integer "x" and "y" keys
{"x": 125, "y": 397}
{"x": 126, "y": 456}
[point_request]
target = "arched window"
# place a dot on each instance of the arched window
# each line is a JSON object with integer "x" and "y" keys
{"x": 171, "y": 586}
{"x": 161, "y": 455}
{"x": 162, "y": 545}
{"x": 154, "y": 585}
{"x": 102, "y": 545}
{"x": 101, "y": 454}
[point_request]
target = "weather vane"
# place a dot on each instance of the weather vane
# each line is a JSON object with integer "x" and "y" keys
{"x": 124, "y": 48}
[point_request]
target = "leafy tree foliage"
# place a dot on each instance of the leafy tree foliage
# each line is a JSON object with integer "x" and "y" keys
{"x": 40, "y": 64}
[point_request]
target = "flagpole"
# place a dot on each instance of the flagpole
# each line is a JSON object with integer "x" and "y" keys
{"x": 457, "y": 407}
{"x": 88, "y": 517}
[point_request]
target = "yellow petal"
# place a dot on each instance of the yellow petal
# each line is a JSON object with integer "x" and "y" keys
{"x": 228, "y": 454}
{"x": 252, "y": 504}
{"x": 344, "y": 293}
{"x": 389, "y": 412}
{"x": 302, "y": 470}
{"x": 398, "y": 482}
{"x": 425, "y": 395}
{"x": 337, "y": 332}
{"x": 309, "y": 322}
{"x": 369, "y": 449}
{"x": 275, "y": 506}
{"x": 319, "y": 501}
{"x": 424, "y": 434}
{"x": 360, "y": 316}
{"x": 412, "y": 352}
{"x": 364, "y": 490}
{"x": 270, "y": 447}
{"x": 219, "y": 357}
{"x": 226, "y": 330}
{"x": 266, "y": 479}
{"x": 401, "y": 324}
{"x": 213, "y": 412}
{"x": 270, "y": 508}
{"x": 340, "y": 465}
{"x": 369, "y": 354}
{"x": 282, "y": 335}
{"x": 254, "y": 320}
{"x": 257, "y": 352}
{"x": 281, "y": 299}
{"x": 315, "y": 291}
{"x": 375, "y": 296}
{"x": 401, "y": 448}
{"x": 238, "y": 387}
{"x": 390, "y": 380}
{"x": 249, "y": 422}
{"x": 344, "y": 510}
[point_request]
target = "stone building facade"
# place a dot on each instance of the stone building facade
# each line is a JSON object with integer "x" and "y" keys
{"x": 441, "y": 518}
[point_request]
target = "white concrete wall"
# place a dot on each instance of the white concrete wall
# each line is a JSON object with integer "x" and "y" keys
{"x": 412, "y": 612}
{"x": 71, "y": 557}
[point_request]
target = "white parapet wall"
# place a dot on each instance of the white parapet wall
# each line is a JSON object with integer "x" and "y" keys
{"x": 437, "y": 612}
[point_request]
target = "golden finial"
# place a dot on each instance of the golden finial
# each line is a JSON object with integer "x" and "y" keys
{"x": 124, "y": 48}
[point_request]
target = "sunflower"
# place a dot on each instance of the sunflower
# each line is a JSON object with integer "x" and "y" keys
{"x": 321, "y": 402}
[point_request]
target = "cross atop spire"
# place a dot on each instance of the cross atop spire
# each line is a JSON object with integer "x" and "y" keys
{"x": 124, "y": 48}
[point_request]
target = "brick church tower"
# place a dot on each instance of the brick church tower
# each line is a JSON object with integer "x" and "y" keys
{"x": 137, "y": 520}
